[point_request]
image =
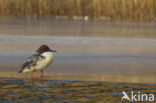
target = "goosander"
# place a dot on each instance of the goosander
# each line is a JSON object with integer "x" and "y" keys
{"x": 39, "y": 61}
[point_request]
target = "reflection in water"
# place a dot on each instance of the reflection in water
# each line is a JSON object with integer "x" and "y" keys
{"x": 45, "y": 91}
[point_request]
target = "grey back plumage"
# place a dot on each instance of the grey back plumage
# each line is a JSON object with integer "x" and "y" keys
{"x": 32, "y": 61}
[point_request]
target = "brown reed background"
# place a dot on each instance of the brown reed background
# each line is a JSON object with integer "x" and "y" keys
{"x": 111, "y": 9}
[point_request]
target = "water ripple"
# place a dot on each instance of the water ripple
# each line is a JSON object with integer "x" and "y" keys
{"x": 54, "y": 91}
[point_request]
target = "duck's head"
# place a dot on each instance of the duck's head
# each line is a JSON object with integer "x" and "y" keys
{"x": 45, "y": 48}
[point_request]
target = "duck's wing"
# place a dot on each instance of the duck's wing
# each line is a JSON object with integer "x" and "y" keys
{"x": 32, "y": 61}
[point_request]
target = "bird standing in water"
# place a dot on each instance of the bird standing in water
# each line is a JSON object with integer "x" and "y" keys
{"x": 39, "y": 61}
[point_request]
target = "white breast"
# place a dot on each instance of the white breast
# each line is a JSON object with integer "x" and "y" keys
{"x": 49, "y": 57}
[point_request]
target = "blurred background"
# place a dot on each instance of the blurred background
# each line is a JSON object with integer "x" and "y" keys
{"x": 79, "y": 17}
{"x": 108, "y": 18}
{"x": 137, "y": 10}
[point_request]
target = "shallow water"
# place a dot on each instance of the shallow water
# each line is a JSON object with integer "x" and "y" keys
{"x": 53, "y": 91}
{"x": 84, "y": 55}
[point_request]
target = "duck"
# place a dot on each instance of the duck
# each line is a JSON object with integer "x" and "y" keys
{"x": 38, "y": 62}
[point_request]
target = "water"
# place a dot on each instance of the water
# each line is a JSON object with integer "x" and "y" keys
{"x": 85, "y": 55}
{"x": 99, "y": 50}
{"x": 70, "y": 27}
{"x": 54, "y": 91}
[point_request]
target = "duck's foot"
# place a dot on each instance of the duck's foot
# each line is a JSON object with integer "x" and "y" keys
{"x": 43, "y": 76}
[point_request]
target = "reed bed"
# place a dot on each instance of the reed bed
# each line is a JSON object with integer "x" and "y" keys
{"x": 108, "y": 9}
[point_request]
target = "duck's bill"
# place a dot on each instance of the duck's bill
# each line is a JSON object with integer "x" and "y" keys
{"x": 53, "y": 50}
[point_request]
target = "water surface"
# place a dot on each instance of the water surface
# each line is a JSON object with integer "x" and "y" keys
{"x": 71, "y": 27}
{"x": 54, "y": 91}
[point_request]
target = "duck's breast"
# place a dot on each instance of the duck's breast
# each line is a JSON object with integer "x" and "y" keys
{"x": 49, "y": 57}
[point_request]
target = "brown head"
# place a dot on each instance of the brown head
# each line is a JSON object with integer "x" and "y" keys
{"x": 44, "y": 48}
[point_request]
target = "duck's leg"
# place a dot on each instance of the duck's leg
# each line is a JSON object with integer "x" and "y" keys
{"x": 43, "y": 76}
{"x": 32, "y": 75}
